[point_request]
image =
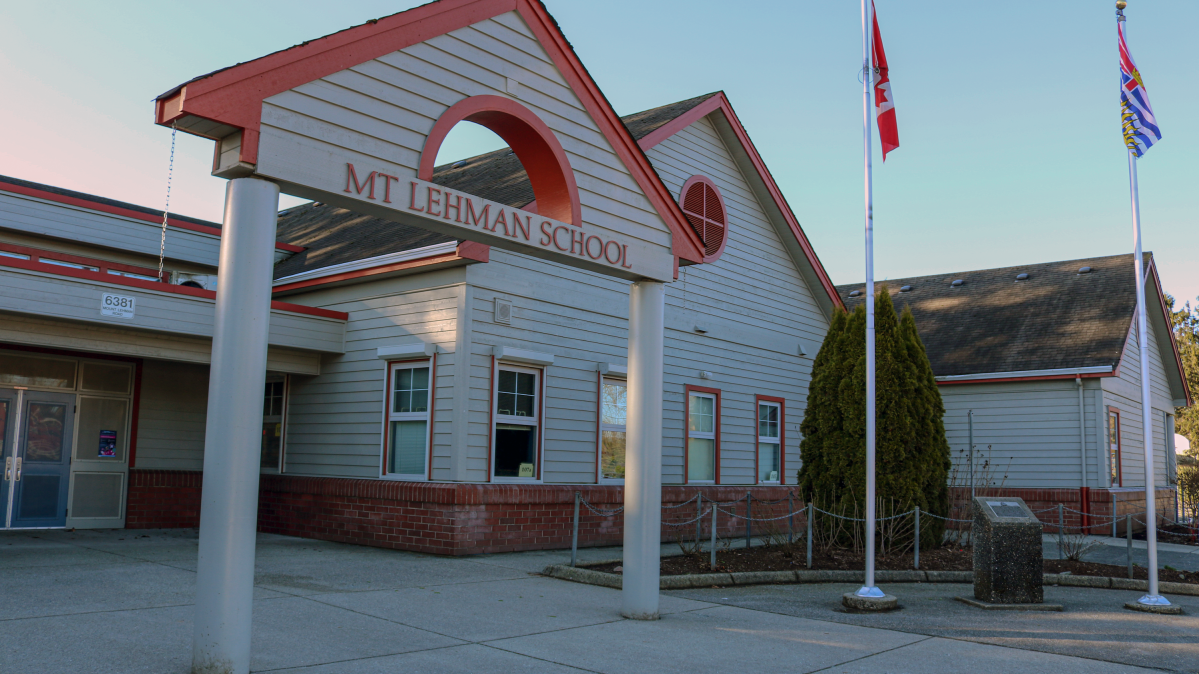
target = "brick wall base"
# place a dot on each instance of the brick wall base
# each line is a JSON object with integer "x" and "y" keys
{"x": 1098, "y": 506}
{"x": 448, "y": 518}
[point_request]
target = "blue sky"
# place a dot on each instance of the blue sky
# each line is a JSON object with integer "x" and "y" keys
{"x": 1008, "y": 115}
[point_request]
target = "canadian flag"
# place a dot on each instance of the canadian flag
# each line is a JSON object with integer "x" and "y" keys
{"x": 884, "y": 103}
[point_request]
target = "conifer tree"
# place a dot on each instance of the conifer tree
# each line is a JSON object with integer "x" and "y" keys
{"x": 912, "y": 454}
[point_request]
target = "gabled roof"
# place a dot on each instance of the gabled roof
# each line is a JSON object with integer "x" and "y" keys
{"x": 225, "y": 101}
{"x": 335, "y": 235}
{"x": 1055, "y": 319}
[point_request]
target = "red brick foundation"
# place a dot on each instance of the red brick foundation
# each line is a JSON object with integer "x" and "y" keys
{"x": 1098, "y": 506}
{"x": 444, "y": 518}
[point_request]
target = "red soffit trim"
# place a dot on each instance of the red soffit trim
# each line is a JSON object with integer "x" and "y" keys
{"x": 234, "y": 96}
{"x": 720, "y": 102}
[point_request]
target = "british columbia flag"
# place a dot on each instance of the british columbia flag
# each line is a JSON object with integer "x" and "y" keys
{"x": 1136, "y": 115}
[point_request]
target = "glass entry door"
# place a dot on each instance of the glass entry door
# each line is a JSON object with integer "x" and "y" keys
{"x": 37, "y": 457}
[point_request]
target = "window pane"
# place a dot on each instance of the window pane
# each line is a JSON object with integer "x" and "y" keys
{"x": 515, "y": 450}
{"x": 768, "y": 421}
{"x": 407, "y": 448}
{"x": 420, "y": 401}
{"x": 420, "y": 377}
{"x": 44, "y": 432}
{"x": 272, "y": 440}
{"x": 26, "y": 370}
{"x": 612, "y": 459}
{"x": 526, "y": 383}
{"x": 768, "y": 462}
{"x": 701, "y": 459}
{"x": 505, "y": 404}
{"x": 101, "y": 433}
{"x": 404, "y": 379}
{"x": 524, "y": 405}
{"x": 614, "y": 402}
{"x": 701, "y": 416}
{"x": 403, "y": 401}
{"x": 507, "y": 381}
{"x": 106, "y": 377}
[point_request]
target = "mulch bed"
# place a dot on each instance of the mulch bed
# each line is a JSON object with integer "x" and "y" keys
{"x": 1170, "y": 533}
{"x": 949, "y": 558}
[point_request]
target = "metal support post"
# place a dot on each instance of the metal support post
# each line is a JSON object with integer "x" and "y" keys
{"x": 233, "y": 431}
{"x": 1114, "y": 515}
{"x": 1061, "y": 554}
{"x": 748, "y": 518}
{"x": 970, "y": 451}
{"x": 699, "y": 519}
{"x": 713, "y": 548}
{"x": 643, "y": 452}
{"x": 917, "y": 538}
{"x": 574, "y": 536}
{"x": 810, "y": 511}
{"x": 790, "y": 519}
{"x": 1128, "y": 538}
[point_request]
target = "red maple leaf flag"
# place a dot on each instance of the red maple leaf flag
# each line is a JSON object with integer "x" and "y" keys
{"x": 884, "y": 104}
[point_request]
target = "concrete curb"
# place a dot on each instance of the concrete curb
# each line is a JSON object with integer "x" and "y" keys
{"x": 701, "y": 580}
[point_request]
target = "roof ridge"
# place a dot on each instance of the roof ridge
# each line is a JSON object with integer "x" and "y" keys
{"x": 1148, "y": 254}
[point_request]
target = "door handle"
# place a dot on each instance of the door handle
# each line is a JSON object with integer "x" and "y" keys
{"x": 7, "y": 468}
{"x": 17, "y": 475}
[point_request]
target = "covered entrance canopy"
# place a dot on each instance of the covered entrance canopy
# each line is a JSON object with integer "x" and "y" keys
{"x": 355, "y": 119}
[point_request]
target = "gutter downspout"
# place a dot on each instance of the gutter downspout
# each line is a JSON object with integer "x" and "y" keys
{"x": 1083, "y": 491}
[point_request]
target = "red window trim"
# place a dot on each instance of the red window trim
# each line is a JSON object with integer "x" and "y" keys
{"x": 35, "y": 255}
{"x": 540, "y": 416}
{"x": 723, "y": 206}
{"x": 688, "y": 390}
{"x": 387, "y": 401}
{"x": 135, "y": 399}
{"x": 1119, "y": 460}
{"x": 782, "y": 403}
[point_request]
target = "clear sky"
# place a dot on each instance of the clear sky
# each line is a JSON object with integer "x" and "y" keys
{"x": 1008, "y": 112}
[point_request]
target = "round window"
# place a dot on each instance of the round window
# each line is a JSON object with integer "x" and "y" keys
{"x": 704, "y": 208}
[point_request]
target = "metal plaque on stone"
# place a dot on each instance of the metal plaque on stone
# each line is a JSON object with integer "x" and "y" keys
{"x": 1007, "y": 552}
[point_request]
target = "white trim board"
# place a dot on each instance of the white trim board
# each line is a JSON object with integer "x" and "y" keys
{"x": 370, "y": 262}
{"x": 1098, "y": 369}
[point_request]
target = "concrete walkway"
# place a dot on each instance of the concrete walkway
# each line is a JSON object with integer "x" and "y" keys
{"x": 121, "y": 601}
{"x": 1110, "y": 550}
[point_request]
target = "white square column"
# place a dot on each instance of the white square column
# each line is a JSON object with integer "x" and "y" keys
{"x": 643, "y": 451}
{"x": 233, "y": 432}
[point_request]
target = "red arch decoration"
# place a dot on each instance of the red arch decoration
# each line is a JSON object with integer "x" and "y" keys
{"x": 553, "y": 181}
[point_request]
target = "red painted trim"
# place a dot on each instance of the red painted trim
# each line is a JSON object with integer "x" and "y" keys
{"x": 35, "y": 255}
{"x": 723, "y": 207}
{"x": 135, "y": 415}
{"x": 1157, "y": 283}
{"x": 370, "y": 271}
{"x": 234, "y": 96}
{"x": 688, "y": 389}
{"x": 1000, "y": 380}
{"x": 541, "y": 423}
{"x": 432, "y": 409}
{"x": 1119, "y": 444}
{"x": 490, "y": 418}
{"x": 782, "y": 403}
{"x": 101, "y": 277}
{"x": 473, "y": 250}
{"x": 125, "y": 212}
{"x": 535, "y": 145}
{"x": 599, "y": 421}
{"x": 721, "y": 102}
{"x": 388, "y": 375}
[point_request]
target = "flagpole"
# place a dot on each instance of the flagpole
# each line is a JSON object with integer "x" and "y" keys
{"x": 1151, "y": 598}
{"x": 869, "y": 589}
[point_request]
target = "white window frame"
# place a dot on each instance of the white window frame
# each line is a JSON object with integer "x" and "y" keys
{"x": 278, "y": 469}
{"x": 702, "y": 435}
{"x": 534, "y": 420}
{"x": 389, "y": 416}
{"x": 599, "y": 437}
{"x": 777, "y": 440}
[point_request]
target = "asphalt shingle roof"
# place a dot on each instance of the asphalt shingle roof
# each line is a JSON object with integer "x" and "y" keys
{"x": 334, "y": 235}
{"x": 1057, "y": 318}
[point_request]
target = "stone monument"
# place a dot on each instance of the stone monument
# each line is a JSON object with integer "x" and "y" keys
{"x": 1007, "y": 552}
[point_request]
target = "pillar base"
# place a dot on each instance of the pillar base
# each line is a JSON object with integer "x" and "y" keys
{"x": 853, "y": 601}
{"x": 1161, "y": 609}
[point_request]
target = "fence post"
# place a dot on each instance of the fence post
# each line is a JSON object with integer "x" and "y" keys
{"x": 917, "y": 538}
{"x": 1061, "y": 554}
{"x": 809, "y": 518}
{"x": 1128, "y": 537}
{"x": 574, "y": 536}
{"x": 699, "y": 519}
{"x": 748, "y": 519}
{"x": 714, "y": 509}
{"x": 790, "y": 518}
{"x": 1114, "y": 515}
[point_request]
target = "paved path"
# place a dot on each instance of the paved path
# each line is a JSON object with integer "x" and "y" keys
{"x": 1109, "y": 550}
{"x": 121, "y": 601}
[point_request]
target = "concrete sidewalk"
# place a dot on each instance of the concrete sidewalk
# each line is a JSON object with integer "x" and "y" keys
{"x": 121, "y": 601}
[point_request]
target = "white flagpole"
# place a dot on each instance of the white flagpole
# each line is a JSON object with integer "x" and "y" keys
{"x": 869, "y": 589}
{"x": 1152, "y": 598}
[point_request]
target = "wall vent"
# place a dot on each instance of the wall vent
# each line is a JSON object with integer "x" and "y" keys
{"x": 503, "y": 311}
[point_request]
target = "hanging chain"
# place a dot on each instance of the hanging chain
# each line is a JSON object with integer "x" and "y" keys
{"x": 162, "y": 246}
